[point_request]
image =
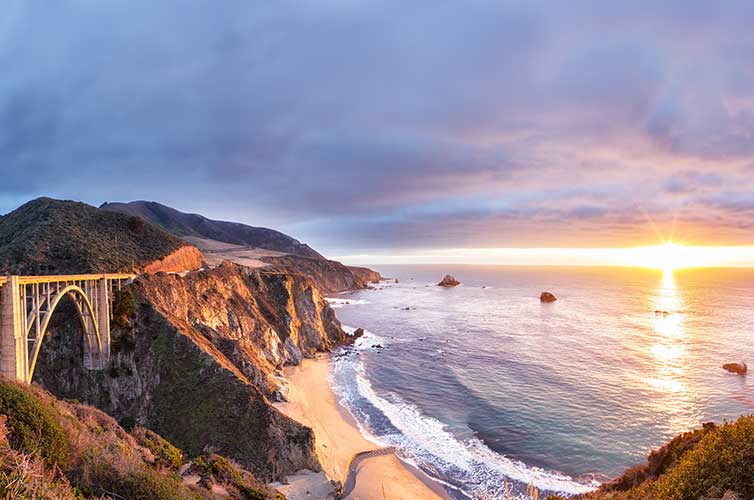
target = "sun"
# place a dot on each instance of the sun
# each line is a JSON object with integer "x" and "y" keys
{"x": 670, "y": 256}
{"x": 667, "y": 257}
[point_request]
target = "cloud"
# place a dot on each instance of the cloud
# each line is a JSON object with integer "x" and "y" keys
{"x": 357, "y": 124}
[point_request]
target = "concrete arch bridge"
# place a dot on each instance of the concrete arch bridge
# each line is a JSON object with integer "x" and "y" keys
{"x": 27, "y": 303}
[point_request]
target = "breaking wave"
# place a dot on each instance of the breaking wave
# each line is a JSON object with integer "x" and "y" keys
{"x": 466, "y": 464}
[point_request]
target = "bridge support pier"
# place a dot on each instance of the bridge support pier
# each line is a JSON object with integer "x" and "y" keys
{"x": 14, "y": 354}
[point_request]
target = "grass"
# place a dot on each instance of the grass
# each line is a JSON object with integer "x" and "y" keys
{"x": 58, "y": 450}
{"x": 32, "y": 425}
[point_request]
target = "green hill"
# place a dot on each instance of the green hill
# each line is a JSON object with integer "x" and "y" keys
{"x": 47, "y": 236}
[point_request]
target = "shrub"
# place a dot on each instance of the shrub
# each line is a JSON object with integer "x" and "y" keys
{"x": 143, "y": 484}
{"x": 32, "y": 424}
{"x": 165, "y": 454}
{"x": 136, "y": 224}
{"x": 124, "y": 307}
{"x": 723, "y": 460}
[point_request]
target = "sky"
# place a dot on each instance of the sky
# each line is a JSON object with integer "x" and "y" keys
{"x": 392, "y": 127}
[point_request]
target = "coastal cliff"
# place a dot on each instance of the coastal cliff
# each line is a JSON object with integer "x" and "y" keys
{"x": 197, "y": 362}
{"x": 329, "y": 276}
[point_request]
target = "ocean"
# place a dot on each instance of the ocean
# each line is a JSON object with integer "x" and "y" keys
{"x": 483, "y": 387}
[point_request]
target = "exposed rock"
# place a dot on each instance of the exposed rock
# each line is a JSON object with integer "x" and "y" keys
{"x": 328, "y": 275}
{"x": 547, "y": 297}
{"x": 737, "y": 368}
{"x": 449, "y": 280}
{"x": 359, "y": 332}
{"x": 365, "y": 275}
{"x": 186, "y": 258}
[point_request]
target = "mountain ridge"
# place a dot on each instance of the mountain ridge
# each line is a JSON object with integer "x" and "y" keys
{"x": 192, "y": 224}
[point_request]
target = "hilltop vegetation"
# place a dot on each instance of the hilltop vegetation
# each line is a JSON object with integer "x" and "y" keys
{"x": 54, "y": 450}
{"x": 47, "y": 236}
{"x": 709, "y": 463}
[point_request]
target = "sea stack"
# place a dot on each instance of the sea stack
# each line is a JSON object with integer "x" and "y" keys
{"x": 449, "y": 280}
{"x": 737, "y": 368}
{"x": 547, "y": 297}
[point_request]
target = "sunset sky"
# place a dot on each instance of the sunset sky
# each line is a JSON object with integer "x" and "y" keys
{"x": 392, "y": 128}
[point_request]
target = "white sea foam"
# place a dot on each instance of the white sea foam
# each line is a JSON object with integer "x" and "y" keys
{"x": 426, "y": 441}
{"x": 337, "y": 303}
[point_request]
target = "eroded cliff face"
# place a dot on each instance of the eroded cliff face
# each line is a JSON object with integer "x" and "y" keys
{"x": 197, "y": 363}
{"x": 186, "y": 258}
{"x": 330, "y": 276}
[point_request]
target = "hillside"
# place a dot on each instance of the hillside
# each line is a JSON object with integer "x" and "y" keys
{"x": 46, "y": 236}
{"x": 56, "y": 450}
{"x": 195, "y": 225}
{"x": 714, "y": 462}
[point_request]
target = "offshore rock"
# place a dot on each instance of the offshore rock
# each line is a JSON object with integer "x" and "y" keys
{"x": 449, "y": 280}
{"x": 547, "y": 297}
{"x": 737, "y": 368}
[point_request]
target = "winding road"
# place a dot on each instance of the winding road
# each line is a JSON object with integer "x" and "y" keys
{"x": 353, "y": 465}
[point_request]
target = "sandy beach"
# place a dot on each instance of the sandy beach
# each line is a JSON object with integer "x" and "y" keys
{"x": 312, "y": 402}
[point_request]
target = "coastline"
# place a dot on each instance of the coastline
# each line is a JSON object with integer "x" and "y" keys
{"x": 312, "y": 402}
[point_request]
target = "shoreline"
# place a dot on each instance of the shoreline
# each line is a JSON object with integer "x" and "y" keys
{"x": 312, "y": 402}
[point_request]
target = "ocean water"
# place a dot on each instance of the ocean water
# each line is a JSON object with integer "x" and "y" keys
{"x": 482, "y": 385}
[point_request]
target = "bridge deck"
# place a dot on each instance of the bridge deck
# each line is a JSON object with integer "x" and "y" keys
{"x": 57, "y": 278}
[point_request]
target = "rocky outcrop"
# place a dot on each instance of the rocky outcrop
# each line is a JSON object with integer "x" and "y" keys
{"x": 737, "y": 368}
{"x": 547, "y": 297}
{"x": 198, "y": 363}
{"x": 186, "y": 258}
{"x": 449, "y": 280}
{"x": 365, "y": 275}
{"x": 328, "y": 275}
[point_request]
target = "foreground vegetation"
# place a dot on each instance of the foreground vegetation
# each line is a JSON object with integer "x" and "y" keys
{"x": 56, "y": 450}
{"x": 710, "y": 463}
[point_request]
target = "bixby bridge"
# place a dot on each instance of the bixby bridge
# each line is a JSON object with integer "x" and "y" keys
{"x": 27, "y": 304}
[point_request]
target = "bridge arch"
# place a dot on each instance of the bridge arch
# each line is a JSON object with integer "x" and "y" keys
{"x": 95, "y": 356}
{"x": 28, "y": 303}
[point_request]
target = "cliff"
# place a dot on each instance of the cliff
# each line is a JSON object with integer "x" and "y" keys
{"x": 47, "y": 236}
{"x": 197, "y": 362}
{"x": 365, "y": 275}
{"x": 186, "y": 258}
{"x": 330, "y": 276}
{"x": 56, "y": 450}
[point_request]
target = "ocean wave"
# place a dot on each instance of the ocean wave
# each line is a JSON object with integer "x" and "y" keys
{"x": 337, "y": 303}
{"x": 367, "y": 340}
{"x": 426, "y": 442}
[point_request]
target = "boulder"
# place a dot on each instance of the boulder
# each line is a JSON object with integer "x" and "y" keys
{"x": 547, "y": 297}
{"x": 359, "y": 332}
{"x": 737, "y": 368}
{"x": 449, "y": 280}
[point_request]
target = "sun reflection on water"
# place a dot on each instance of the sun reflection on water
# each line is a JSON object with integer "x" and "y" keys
{"x": 669, "y": 353}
